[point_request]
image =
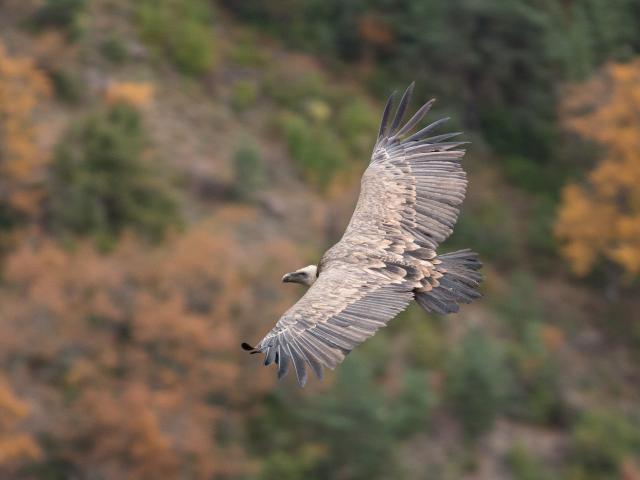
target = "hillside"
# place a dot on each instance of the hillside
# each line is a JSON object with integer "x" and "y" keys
{"x": 163, "y": 164}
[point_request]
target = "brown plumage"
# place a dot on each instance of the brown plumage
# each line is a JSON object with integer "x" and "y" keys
{"x": 408, "y": 204}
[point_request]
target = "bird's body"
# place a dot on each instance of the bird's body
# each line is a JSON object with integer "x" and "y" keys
{"x": 408, "y": 204}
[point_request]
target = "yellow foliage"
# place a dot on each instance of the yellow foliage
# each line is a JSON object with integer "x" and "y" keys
{"x": 600, "y": 219}
{"x": 22, "y": 87}
{"x": 134, "y": 93}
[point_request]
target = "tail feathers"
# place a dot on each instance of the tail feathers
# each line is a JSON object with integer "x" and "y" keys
{"x": 458, "y": 284}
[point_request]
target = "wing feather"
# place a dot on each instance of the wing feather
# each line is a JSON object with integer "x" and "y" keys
{"x": 385, "y": 116}
{"x": 402, "y": 107}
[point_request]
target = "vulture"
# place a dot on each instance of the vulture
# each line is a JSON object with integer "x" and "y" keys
{"x": 409, "y": 201}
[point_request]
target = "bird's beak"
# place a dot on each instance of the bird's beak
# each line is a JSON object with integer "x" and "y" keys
{"x": 289, "y": 277}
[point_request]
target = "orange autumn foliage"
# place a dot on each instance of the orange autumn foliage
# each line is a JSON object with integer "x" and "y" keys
{"x": 375, "y": 31}
{"x": 630, "y": 469}
{"x": 600, "y": 219}
{"x": 136, "y": 94}
{"x": 22, "y": 87}
{"x": 144, "y": 346}
{"x": 15, "y": 445}
{"x": 52, "y": 52}
{"x": 552, "y": 337}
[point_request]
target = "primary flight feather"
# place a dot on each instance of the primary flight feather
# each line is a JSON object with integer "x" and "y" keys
{"x": 408, "y": 205}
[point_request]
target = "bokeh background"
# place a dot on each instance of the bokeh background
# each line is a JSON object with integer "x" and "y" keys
{"x": 164, "y": 162}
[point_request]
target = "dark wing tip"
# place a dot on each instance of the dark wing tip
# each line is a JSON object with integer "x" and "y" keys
{"x": 423, "y": 133}
{"x": 382, "y": 132}
{"x": 402, "y": 107}
{"x": 248, "y": 348}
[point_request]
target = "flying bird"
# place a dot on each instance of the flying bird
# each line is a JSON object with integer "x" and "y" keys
{"x": 409, "y": 202}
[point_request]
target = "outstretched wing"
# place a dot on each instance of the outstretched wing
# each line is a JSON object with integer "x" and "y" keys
{"x": 346, "y": 305}
{"x": 413, "y": 186}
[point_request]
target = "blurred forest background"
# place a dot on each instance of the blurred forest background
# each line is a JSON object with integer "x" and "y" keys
{"x": 164, "y": 162}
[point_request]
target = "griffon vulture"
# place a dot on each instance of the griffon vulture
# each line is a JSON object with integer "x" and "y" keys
{"x": 408, "y": 204}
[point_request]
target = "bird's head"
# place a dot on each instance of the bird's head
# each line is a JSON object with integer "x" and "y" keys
{"x": 305, "y": 276}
